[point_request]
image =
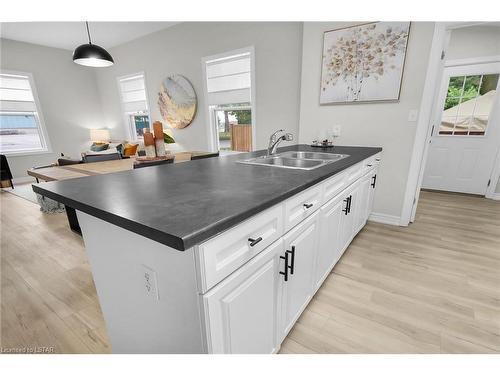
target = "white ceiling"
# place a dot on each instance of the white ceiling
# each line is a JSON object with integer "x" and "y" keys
{"x": 69, "y": 35}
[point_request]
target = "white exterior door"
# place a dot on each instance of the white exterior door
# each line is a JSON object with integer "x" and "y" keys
{"x": 297, "y": 290}
{"x": 464, "y": 144}
{"x": 242, "y": 310}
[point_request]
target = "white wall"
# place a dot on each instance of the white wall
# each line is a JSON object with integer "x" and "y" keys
{"x": 374, "y": 124}
{"x": 68, "y": 99}
{"x": 474, "y": 41}
{"x": 180, "y": 49}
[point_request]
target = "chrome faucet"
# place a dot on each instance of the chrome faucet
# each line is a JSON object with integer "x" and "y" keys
{"x": 273, "y": 141}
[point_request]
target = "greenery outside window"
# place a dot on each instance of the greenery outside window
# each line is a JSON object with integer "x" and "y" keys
{"x": 228, "y": 115}
{"x": 468, "y": 104}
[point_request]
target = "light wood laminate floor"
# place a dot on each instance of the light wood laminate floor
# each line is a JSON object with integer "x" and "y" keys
{"x": 433, "y": 287}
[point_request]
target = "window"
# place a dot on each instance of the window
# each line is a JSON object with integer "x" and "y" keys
{"x": 20, "y": 126}
{"x": 135, "y": 104}
{"x": 468, "y": 104}
{"x": 229, "y": 94}
{"x": 233, "y": 123}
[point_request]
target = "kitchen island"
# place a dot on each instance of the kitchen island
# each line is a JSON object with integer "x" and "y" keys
{"x": 214, "y": 256}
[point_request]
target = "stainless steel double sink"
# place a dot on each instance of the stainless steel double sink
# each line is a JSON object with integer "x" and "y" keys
{"x": 305, "y": 160}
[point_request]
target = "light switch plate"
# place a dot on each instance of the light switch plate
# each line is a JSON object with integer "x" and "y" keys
{"x": 150, "y": 282}
{"x": 413, "y": 115}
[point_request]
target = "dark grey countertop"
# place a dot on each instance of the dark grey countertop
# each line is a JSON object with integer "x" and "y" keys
{"x": 181, "y": 205}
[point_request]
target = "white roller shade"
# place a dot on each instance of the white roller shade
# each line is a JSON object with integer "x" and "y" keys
{"x": 13, "y": 106}
{"x": 139, "y": 106}
{"x": 15, "y": 93}
{"x": 229, "y": 97}
{"x": 133, "y": 93}
{"x": 229, "y": 79}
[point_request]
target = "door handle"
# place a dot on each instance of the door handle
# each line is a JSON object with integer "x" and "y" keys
{"x": 346, "y": 209}
{"x": 254, "y": 242}
{"x": 349, "y": 200}
{"x": 374, "y": 177}
{"x": 285, "y": 273}
{"x": 292, "y": 266}
{"x": 307, "y": 205}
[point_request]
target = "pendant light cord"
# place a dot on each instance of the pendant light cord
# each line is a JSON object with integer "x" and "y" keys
{"x": 88, "y": 31}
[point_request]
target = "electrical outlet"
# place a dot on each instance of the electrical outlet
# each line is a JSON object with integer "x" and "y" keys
{"x": 150, "y": 282}
{"x": 413, "y": 115}
{"x": 336, "y": 131}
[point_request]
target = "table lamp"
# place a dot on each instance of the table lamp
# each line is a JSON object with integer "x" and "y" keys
{"x": 99, "y": 135}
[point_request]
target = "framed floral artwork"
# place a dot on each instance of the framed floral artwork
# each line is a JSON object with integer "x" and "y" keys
{"x": 363, "y": 63}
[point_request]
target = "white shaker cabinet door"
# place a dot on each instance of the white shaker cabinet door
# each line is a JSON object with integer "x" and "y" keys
{"x": 371, "y": 192}
{"x": 297, "y": 284}
{"x": 329, "y": 238}
{"x": 348, "y": 197}
{"x": 242, "y": 311}
{"x": 361, "y": 208}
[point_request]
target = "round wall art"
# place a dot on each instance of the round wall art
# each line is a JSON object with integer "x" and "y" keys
{"x": 177, "y": 101}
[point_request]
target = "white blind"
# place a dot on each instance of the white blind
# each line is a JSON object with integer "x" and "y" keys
{"x": 133, "y": 92}
{"x": 229, "y": 79}
{"x": 16, "y": 94}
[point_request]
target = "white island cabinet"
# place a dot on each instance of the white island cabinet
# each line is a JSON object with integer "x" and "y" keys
{"x": 240, "y": 291}
{"x": 242, "y": 311}
{"x": 329, "y": 238}
{"x": 301, "y": 245}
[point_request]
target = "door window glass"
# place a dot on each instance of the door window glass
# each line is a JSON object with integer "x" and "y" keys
{"x": 468, "y": 104}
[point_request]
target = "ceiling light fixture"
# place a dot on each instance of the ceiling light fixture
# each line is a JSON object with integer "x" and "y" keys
{"x": 92, "y": 54}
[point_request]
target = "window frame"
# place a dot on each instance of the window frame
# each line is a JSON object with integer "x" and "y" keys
{"x": 130, "y": 116}
{"x": 213, "y": 117}
{"x": 42, "y": 129}
{"x": 127, "y": 115}
{"x": 212, "y": 136}
{"x": 479, "y": 68}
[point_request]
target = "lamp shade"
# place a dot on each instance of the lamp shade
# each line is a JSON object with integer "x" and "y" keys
{"x": 92, "y": 55}
{"x": 99, "y": 135}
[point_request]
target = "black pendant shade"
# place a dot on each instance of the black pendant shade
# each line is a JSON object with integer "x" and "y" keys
{"x": 92, "y": 54}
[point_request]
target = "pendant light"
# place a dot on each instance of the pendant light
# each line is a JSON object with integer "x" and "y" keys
{"x": 92, "y": 54}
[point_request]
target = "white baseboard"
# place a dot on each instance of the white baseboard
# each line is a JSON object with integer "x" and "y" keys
{"x": 23, "y": 180}
{"x": 385, "y": 219}
{"x": 495, "y": 196}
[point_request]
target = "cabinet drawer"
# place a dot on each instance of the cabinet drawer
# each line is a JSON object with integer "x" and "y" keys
{"x": 355, "y": 172}
{"x": 301, "y": 206}
{"x": 371, "y": 163}
{"x": 334, "y": 185}
{"x": 223, "y": 254}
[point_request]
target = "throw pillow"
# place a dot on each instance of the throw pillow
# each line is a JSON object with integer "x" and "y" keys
{"x": 130, "y": 149}
{"x": 96, "y": 147}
